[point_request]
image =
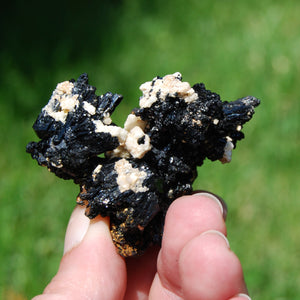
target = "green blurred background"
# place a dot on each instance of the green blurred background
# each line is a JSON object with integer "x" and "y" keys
{"x": 236, "y": 48}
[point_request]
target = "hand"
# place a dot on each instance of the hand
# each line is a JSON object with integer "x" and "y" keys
{"x": 194, "y": 262}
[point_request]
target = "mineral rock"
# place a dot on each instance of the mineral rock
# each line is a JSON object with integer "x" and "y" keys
{"x": 147, "y": 164}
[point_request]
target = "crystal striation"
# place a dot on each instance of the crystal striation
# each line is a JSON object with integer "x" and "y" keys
{"x": 133, "y": 174}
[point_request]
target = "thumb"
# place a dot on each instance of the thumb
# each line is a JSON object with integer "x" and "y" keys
{"x": 90, "y": 268}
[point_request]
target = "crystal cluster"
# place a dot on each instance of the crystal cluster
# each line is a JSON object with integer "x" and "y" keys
{"x": 132, "y": 174}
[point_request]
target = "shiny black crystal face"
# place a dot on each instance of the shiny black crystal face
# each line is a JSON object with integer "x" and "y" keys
{"x": 133, "y": 174}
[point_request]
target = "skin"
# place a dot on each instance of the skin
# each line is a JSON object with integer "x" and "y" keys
{"x": 194, "y": 261}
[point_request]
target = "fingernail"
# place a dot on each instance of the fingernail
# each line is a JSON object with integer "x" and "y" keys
{"x": 76, "y": 229}
{"x": 244, "y": 296}
{"x": 217, "y": 199}
{"x": 98, "y": 226}
{"x": 212, "y": 231}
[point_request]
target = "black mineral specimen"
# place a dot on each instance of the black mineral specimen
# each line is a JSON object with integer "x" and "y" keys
{"x": 148, "y": 163}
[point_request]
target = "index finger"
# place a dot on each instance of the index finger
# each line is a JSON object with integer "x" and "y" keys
{"x": 187, "y": 217}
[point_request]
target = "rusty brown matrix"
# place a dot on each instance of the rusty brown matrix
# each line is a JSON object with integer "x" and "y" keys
{"x": 145, "y": 165}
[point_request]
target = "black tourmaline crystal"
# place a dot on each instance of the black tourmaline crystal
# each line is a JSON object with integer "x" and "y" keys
{"x": 147, "y": 164}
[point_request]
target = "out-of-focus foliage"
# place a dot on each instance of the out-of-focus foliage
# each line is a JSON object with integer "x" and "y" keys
{"x": 236, "y": 48}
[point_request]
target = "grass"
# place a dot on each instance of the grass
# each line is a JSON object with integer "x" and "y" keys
{"x": 235, "y": 47}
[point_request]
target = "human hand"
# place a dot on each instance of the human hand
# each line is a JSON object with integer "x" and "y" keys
{"x": 194, "y": 262}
